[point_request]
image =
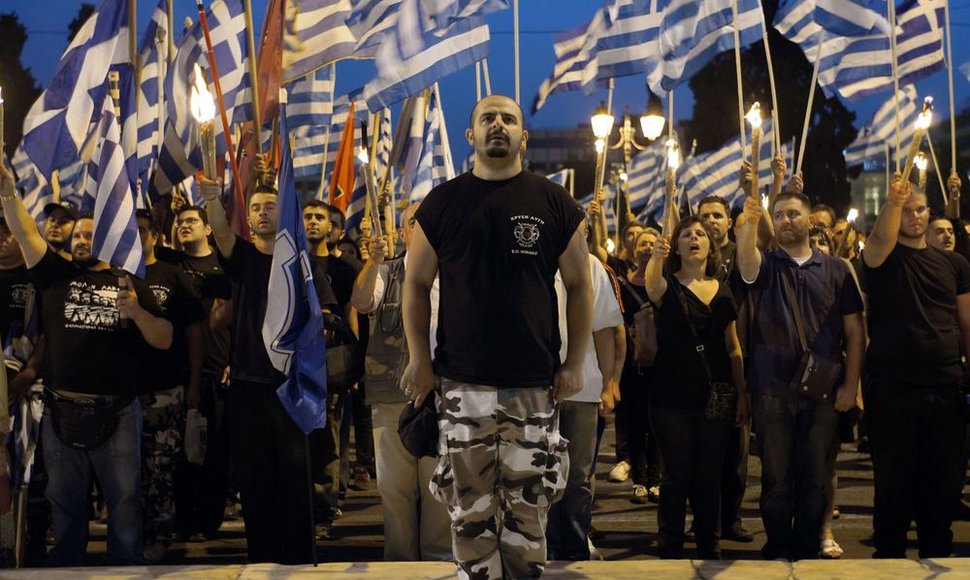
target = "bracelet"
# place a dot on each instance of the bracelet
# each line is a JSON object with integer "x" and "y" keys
{"x": 8, "y": 195}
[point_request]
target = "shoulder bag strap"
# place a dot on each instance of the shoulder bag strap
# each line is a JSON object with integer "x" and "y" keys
{"x": 792, "y": 300}
{"x": 698, "y": 344}
{"x": 631, "y": 289}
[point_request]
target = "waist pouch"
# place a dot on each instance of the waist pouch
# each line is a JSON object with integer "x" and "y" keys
{"x": 87, "y": 422}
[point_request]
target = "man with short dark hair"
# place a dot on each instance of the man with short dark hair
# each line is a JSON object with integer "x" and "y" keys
{"x": 268, "y": 448}
{"x": 58, "y": 225}
{"x": 919, "y": 320}
{"x": 496, "y": 236}
{"x": 169, "y": 383}
{"x": 795, "y": 432}
{"x": 824, "y": 216}
{"x": 940, "y": 234}
{"x": 95, "y": 322}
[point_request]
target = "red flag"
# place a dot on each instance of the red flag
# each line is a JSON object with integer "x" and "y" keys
{"x": 342, "y": 180}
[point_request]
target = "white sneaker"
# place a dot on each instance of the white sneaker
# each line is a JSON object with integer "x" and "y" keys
{"x": 594, "y": 552}
{"x": 620, "y": 472}
{"x": 639, "y": 494}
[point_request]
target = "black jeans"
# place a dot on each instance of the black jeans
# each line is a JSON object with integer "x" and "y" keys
{"x": 917, "y": 439}
{"x": 795, "y": 437}
{"x": 632, "y": 417}
{"x": 269, "y": 462}
{"x": 734, "y": 475}
{"x": 693, "y": 449}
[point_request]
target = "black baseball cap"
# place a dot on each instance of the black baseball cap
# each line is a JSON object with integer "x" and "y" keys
{"x": 67, "y": 206}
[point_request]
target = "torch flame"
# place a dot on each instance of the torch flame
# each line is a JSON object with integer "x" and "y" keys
{"x": 201, "y": 101}
{"x": 1, "y": 95}
{"x": 921, "y": 162}
{"x": 673, "y": 155}
{"x": 853, "y": 215}
{"x": 926, "y": 116}
{"x": 362, "y": 156}
{"x": 754, "y": 116}
{"x": 764, "y": 201}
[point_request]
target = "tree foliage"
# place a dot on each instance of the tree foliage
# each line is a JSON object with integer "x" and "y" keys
{"x": 20, "y": 90}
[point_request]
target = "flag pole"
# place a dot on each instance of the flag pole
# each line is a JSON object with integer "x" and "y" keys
{"x": 488, "y": 82}
{"x": 237, "y": 180}
{"x": 737, "y": 67}
{"x": 170, "y": 41}
{"x": 254, "y": 74}
{"x": 895, "y": 66}
{"x": 776, "y": 142}
{"x": 326, "y": 140}
{"x": 936, "y": 169}
{"x": 515, "y": 44}
{"x": 949, "y": 78}
{"x": 133, "y": 47}
{"x": 478, "y": 81}
{"x": 811, "y": 100}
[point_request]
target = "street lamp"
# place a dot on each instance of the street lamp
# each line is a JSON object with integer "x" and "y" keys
{"x": 652, "y": 120}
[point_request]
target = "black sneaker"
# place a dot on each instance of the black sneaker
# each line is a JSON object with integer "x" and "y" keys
{"x": 737, "y": 533}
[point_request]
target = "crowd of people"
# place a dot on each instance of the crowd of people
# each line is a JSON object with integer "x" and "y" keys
{"x": 508, "y": 318}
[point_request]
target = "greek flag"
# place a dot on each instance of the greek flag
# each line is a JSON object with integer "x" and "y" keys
{"x": 116, "y": 238}
{"x": 446, "y": 12}
{"x": 153, "y": 55}
{"x": 560, "y": 178}
{"x": 310, "y": 101}
{"x": 60, "y": 121}
{"x": 881, "y": 129}
{"x": 646, "y": 175}
{"x": 309, "y": 150}
{"x": 716, "y": 173}
{"x": 629, "y": 46}
{"x": 854, "y": 67}
{"x": 358, "y": 199}
{"x": 181, "y": 155}
{"x": 293, "y": 324}
{"x": 692, "y": 33}
{"x": 434, "y": 166}
{"x": 371, "y": 21}
{"x": 36, "y": 191}
{"x": 852, "y": 17}
{"x": 323, "y": 35}
{"x": 414, "y": 59}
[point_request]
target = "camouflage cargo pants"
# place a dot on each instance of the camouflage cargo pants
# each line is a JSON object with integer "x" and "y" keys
{"x": 161, "y": 445}
{"x": 502, "y": 464}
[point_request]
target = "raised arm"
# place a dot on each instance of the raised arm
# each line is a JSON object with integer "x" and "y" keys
{"x": 574, "y": 268}
{"x": 362, "y": 297}
{"x": 418, "y": 377}
{"x": 746, "y": 233}
{"x": 885, "y": 232}
{"x": 653, "y": 274}
{"x": 156, "y": 331}
{"x": 221, "y": 230}
{"x": 953, "y": 185}
{"x": 598, "y": 245}
{"x": 21, "y": 223}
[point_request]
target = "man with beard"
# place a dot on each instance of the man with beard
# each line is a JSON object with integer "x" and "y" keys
{"x": 496, "y": 236}
{"x": 58, "y": 225}
{"x": 919, "y": 321}
{"x": 796, "y": 433}
{"x": 200, "y": 490}
{"x": 95, "y": 323}
{"x": 268, "y": 448}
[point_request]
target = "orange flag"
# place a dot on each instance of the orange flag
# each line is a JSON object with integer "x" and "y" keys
{"x": 344, "y": 175}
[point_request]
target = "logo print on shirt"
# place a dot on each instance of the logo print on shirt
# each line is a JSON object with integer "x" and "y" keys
{"x": 526, "y": 232}
{"x": 161, "y": 295}
{"x": 90, "y": 307}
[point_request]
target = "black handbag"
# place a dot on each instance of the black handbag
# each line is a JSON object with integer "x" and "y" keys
{"x": 84, "y": 423}
{"x": 345, "y": 355}
{"x": 722, "y": 398}
{"x": 816, "y": 376}
{"x": 418, "y": 428}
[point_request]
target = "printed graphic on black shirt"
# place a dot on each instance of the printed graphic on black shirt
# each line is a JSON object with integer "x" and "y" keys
{"x": 161, "y": 295}
{"x": 91, "y": 307}
{"x": 526, "y": 232}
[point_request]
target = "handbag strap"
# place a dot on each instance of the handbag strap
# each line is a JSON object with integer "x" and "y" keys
{"x": 792, "y": 300}
{"x": 698, "y": 344}
{"x": 632, "y": 290}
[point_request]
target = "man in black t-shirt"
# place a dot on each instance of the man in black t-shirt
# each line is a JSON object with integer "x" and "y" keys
{"x": 58, "y": 225}
{"x": 268, "y": 448}
{"x": 919, "y": 321}
{"x": 15, "y": 291}
{"x": 169, "y": 382}
{"x": 200, "y": 494}
{"x": 496, "y": 236}
{"x": 95, "y": 328}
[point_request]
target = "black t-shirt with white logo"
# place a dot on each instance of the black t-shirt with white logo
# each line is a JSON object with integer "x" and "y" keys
{"x": 87, "y": 349}
{"x": 165, "y": 369}
{"x": 14, "y": 287}
{"x": 249, "y": 271}
{"x": 498, "y": 245}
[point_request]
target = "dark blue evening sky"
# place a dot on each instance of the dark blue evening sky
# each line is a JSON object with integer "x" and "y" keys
{"x": 540, "y": 20}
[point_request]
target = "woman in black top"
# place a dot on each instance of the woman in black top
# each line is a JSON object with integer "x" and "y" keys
{"x": 700, "y": 390}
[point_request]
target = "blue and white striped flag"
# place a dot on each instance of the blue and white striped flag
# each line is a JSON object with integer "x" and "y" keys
{"x": 308, "y": 154}
{"x": 310, "y": 101}
{"x": 153, "y": 56}
{"x": 692, "y": 33}
{"x": 852, "y": 17}
{"x": 181, "y": 155}
{"x": 629, "y": 46}
{"x": 116, "y": 238}
{"x": 293, "y": 324}
{"x": 446, "y": 12}
{"x": 881, "y": 130}
{"x": 324, "y": 37}
{"x": 716, "y": 173}
{"x": 646, "y": 175}
{"x": 371, "y": 21}
{"x": 560, "y": 178}
{"x": 36, "y": 190}
{"x": 854, "y": 67}
{"x": 415, "y": 59}
{"x": 434, "y": 165}
{"x": 60, "y": 121}
{"x": 358, "y": 199}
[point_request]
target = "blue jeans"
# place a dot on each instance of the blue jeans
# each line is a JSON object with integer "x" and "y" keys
{"x": 117, "y": 466}
{"x": 570, "y": 517}
{"x": 795, "y": 436}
